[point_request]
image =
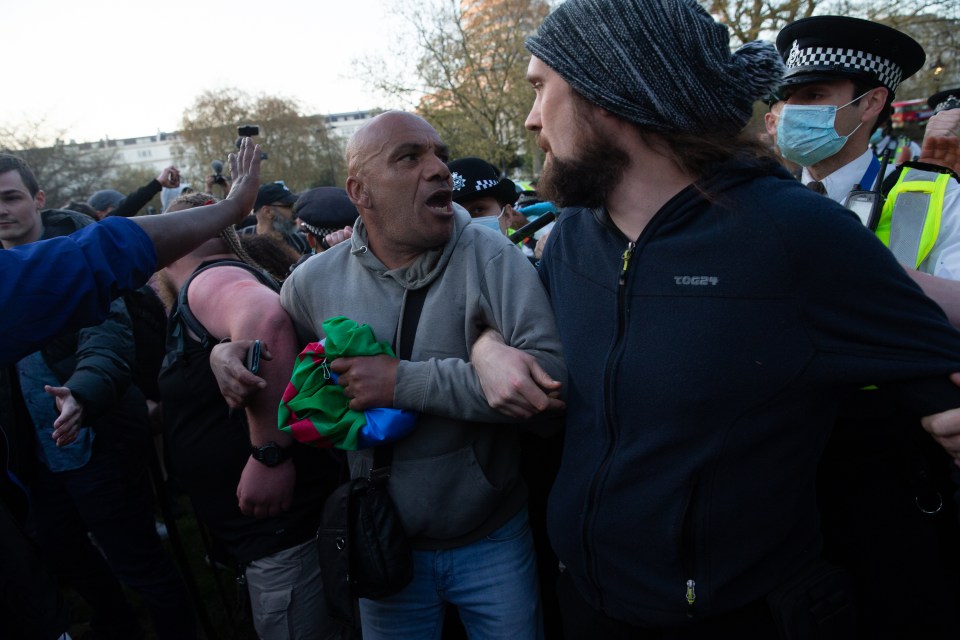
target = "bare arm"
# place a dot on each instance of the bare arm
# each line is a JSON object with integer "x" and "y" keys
{"x": 941, "y": 140}
{"x": 231, "y": 303}
{"x": 945, "y": 293}
{"x": 945, "y": 427}
{"x": 175, "y": 234}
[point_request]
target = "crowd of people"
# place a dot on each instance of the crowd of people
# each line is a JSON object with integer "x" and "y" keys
{"x": 718, "y": 397}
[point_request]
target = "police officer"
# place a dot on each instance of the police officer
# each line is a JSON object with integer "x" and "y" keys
{"x": 885, "y": 497}
{"x": 941, "y": 140}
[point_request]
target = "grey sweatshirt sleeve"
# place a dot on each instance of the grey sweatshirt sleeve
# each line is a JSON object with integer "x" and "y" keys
{"x": 510, "y": 299}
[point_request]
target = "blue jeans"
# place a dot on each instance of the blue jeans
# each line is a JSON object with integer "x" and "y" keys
{"x": 493, "y": 583}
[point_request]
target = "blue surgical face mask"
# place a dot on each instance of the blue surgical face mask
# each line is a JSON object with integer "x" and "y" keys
{"x": 807, "y": 134}
{"x": 491, "y": 222}
{"x": 876, "y": 137}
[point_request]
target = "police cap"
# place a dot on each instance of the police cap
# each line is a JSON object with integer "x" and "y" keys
{"x": 832, "y": 47}
{"x": 944, "y": 100}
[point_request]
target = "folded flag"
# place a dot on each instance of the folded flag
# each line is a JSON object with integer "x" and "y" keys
{"x": 313, "y": 408}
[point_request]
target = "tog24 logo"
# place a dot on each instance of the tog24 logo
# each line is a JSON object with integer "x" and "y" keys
{"x": 697, "y": 280}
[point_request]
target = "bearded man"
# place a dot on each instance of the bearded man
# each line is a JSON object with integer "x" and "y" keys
{"x": 712, "y": 312}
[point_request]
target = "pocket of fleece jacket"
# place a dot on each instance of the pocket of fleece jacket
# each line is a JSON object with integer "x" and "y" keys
{"x": 443, "y": 496}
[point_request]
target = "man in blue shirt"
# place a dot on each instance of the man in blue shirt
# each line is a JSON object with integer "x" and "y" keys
{"x": 67, "y": 283}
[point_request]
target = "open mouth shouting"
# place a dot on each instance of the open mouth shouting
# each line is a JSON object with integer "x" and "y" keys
{"x": 441, "y": 202}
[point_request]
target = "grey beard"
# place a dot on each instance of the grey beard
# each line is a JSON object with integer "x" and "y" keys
{"x": 282, "y": 226}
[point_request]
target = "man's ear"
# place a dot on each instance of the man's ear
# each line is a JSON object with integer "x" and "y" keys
{"x": 357, "y": 192}
{"x": 40, "y": 199}
{"x": 874, "y": 102}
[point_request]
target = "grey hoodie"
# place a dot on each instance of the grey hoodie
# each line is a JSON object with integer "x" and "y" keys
{"x": 456, "y": 478}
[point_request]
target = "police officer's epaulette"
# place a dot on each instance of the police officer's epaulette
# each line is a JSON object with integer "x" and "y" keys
{"x": 891, "y": 179}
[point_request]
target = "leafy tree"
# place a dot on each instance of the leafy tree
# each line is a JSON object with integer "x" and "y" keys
{"x": 470, "y": 69}
{"x": 935, "y": 24}
{"x": 300, "y": 149}
{"x": 65, "y": 172}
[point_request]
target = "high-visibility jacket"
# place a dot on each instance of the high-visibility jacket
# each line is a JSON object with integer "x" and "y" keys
{"x": 910, "y": 221}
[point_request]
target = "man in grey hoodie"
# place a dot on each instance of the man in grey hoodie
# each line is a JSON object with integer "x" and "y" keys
{"x": 455, "y": 481}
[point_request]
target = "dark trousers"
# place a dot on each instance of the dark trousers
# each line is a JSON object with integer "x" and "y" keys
{"x": 110, "y": 497}
{"x": 583, "y": 622}
{"x": 30, "y": 602}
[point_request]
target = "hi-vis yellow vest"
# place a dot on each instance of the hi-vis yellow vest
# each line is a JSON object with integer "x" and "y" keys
{"x": 910, "y": 221}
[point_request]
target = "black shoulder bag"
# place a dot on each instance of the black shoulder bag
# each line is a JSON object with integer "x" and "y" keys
{"x": 364, "y": 552}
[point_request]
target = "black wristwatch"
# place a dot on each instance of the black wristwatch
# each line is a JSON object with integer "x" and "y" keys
{"x": 270, "y": 454}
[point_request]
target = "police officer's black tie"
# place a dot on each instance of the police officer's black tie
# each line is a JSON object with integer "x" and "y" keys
{"x": 816, "y": 185}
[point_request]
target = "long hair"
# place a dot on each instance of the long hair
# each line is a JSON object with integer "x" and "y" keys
{"x": 228, "y": 235}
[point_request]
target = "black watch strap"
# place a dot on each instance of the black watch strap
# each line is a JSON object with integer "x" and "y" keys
{"x": 270, "y": 454}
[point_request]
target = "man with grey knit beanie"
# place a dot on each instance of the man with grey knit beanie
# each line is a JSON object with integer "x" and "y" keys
{"x": 712, "y": 312}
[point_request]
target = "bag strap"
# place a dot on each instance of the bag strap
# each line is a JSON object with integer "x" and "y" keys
{"x": 412, "y": 307}
{"x": 183, "y": 317}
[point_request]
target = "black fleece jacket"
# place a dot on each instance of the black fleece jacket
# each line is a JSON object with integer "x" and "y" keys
{"x": 705, "y": 372}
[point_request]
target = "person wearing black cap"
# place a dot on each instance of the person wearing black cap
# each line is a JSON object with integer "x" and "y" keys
{"x": 841, "y": 77}
{"x": 488, "y": 198}
{"x": 712, "y": 313}
{"x": 324, "y": 211}
{"x": 274, "y": 212}
{"x": 882, "y": 518}
{"x": 478, "y": 187}
{"x": 839, "y": 86}
{"x": 941, "y": 139}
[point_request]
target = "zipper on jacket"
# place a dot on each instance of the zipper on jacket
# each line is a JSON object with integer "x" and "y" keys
{"x": 593, "y": 494}
{"x": 627, "y": 254}
{"x": 688, "y": 545}
{"x": 691, "y": 596}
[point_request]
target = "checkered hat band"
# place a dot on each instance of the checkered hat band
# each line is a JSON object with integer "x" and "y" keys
{"x": 884, "y": 70}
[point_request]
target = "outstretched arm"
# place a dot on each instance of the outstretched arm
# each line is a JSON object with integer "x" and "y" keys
{"x": 175, "y": 234}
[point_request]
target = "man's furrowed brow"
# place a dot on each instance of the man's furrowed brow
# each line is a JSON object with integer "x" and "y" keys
{"x": 419, "y": 148}
{"x": 408, "y": 148}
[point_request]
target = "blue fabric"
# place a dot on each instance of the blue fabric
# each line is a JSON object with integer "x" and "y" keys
{"x": 870, "y": 176}
{"x": 492, "y": 582}
{"x": 384, "y": 424}
{"x": 55, "y": 285}
{"x": 34, "y": 374}
{"x": 534, "y": 211}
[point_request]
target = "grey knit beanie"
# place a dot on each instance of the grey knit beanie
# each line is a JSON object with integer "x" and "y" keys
{"x": 663, "y": 64}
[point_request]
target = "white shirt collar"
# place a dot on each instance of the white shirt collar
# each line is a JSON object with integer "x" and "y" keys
{"x": 840, "y": 183}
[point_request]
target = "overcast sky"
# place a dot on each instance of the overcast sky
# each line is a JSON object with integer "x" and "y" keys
{"x": 126, "y": 68}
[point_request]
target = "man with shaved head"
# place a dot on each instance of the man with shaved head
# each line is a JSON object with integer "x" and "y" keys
{"x": 455, "y": 480}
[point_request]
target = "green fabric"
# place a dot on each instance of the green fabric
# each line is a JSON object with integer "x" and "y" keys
{"x": 314, "y": 409}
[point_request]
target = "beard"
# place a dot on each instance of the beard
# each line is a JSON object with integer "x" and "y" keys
{"x": 282, "y": 226}
{"x": 586, "y": 180}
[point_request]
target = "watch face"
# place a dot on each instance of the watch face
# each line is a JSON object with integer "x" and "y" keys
{"x": 271, "y": 455}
